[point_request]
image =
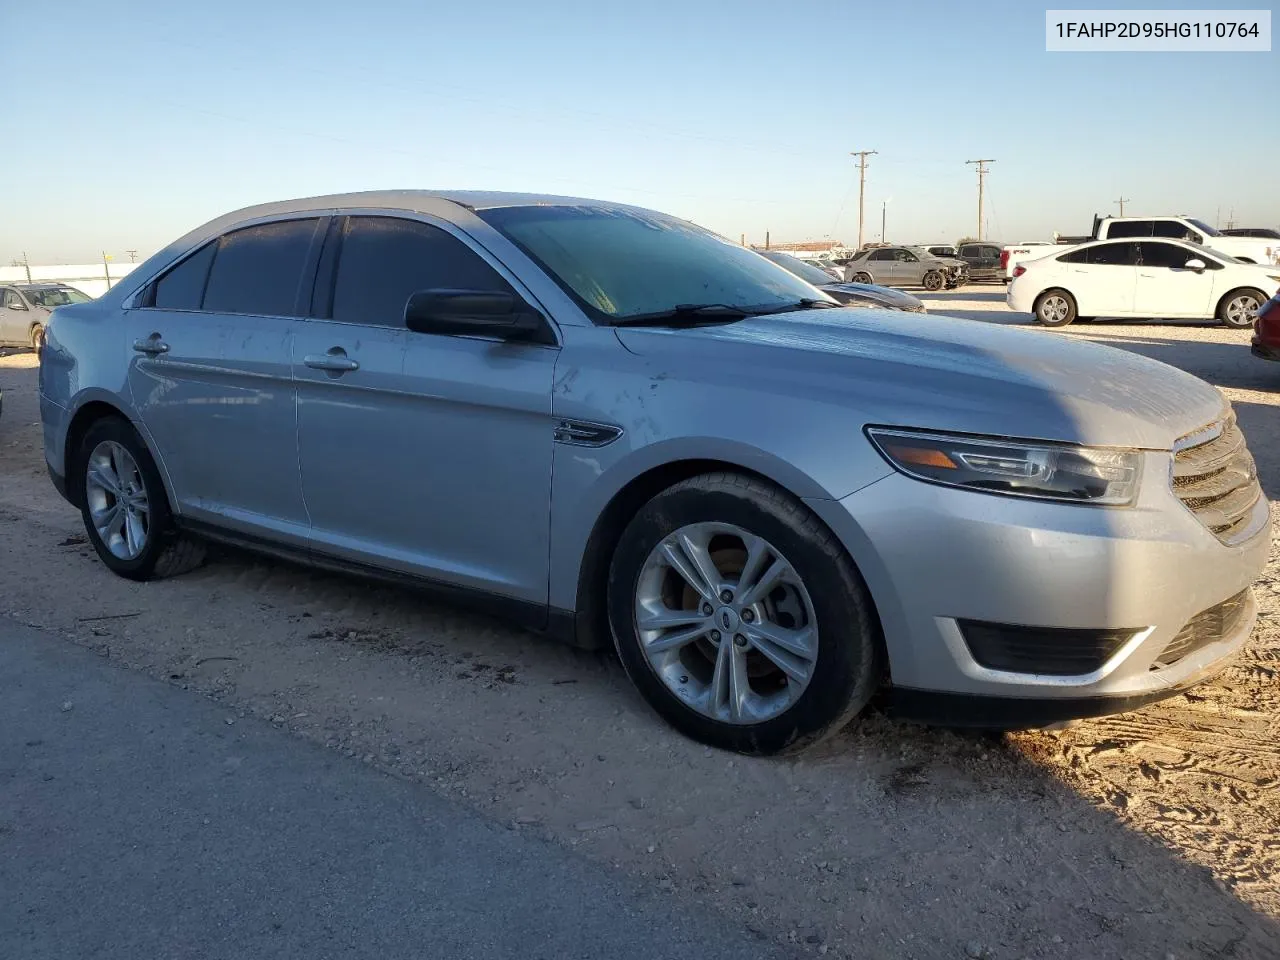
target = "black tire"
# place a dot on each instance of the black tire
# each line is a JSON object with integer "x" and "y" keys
{"x": 167, "y": 552}
{"x": 861, "y": 278}
{"x": 36, "y": 336}
{"x": 1046, "y": 308}
{"x": 1229, "y": 315}
{"x": 849, "y": 663}
{"x": 933, "y": 280}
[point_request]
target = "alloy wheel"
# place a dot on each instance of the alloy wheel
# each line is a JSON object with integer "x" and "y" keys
{"x": 726, "y": 622}
{"x": 117, "y": 500}
{"x": 1242, "y": 310}
{"x": 1054, "y": 309}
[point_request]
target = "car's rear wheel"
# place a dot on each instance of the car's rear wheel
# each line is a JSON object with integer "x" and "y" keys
{"x": 933, "y": 280}
{"x": 1055, "y": 308}
{"x": 862, "y": 278}
{"x": 125, "y": 508}
{"x": 740, "y": 618}
{"x": 1239, "y": 308}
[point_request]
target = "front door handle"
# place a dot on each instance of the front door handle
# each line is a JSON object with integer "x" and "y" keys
{"x": 335, "y": 361}
{"x": 152, "y": 346}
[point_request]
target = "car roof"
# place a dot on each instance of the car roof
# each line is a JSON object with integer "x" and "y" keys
{"x": 50, "y": 285}
{"x": 416, "y": 200}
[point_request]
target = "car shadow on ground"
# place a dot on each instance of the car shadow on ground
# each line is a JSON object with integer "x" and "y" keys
{"x": 968, "y": 293}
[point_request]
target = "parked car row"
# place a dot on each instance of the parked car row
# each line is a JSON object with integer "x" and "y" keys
{"x": 615, "y": 427}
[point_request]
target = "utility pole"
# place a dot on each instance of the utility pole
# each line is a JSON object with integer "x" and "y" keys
{"x": 133, "y": 255}
{"x": 862, "y": 186}
{"x": 884, "y": 205}
{"x": 1122, "y": 201}
{"x": 982, "y": 176}
{"x": 106, "y": 270}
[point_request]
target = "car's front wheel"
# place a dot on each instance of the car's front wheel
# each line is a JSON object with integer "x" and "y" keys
{"x": 933, "y": 280}
{"x": 125, "y": 508}
{"x": 740, "y": 618}
{"x": 1055, "y": 308}
{"x": 1239, "y": 308}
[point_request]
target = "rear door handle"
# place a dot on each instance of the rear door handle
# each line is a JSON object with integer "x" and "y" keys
{"x": 152, "y": 346}
{"x": 335, "y": 361}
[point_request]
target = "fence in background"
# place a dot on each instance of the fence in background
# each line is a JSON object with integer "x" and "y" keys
{"x": 92, "y": 278}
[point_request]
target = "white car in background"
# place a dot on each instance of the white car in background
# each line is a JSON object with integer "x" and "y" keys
{"x": 1163, "y": 279}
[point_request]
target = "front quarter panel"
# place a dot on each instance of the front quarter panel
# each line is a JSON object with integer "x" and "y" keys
{"x": 670, "y": 413}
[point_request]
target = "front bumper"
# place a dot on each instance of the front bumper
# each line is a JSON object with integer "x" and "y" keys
{"x": 934, "y": 557}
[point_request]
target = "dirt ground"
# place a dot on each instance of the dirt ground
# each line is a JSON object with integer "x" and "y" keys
{"x": 1147, "y": 835}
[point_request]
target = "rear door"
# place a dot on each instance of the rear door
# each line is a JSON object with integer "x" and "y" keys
{"x": 423, "y": 454}
{"x": 1166, "y": 288}
{"x": 212, "y": 381}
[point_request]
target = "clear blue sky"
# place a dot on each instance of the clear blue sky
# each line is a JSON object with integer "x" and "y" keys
{"x": 131, "y": 122}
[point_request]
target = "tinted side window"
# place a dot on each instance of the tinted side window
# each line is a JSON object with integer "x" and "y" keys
{"x": 385, "y": 259}
{"x": 1175, "y": 231}
{"x": 258, "y": 269}
{"x": 1114, "y": 254}
{"x": 881, "y": 255}
{"x": 1075, "y": 256}
{"x": 1130, "y": 228}
{"x": 991, "y": 252}
{"x": 969, "y": 252}
{"x": 182, "y": 288}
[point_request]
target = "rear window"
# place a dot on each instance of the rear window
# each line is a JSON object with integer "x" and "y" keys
{"x": 182, "y": 288}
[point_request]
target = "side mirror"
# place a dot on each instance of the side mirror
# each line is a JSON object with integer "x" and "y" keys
{"x": 485, "y": 313}
{"x": 16, "y": 306}
{"x": 1195, "y": 264}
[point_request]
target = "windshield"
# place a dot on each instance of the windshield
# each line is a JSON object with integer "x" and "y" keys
{"x": 621, "y": 263}
{"x": 55, "y": 297}
{"x": 1204, "y": 227}
{"x": 805, "y": 271}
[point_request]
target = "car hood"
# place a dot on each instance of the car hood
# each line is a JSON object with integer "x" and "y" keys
{"x": 943, "y": 373}
{"x": 870, "y": 291}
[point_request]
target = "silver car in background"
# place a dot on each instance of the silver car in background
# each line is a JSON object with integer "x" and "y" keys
{"x": 847, "y": 294}
{"x": 614, "y": 426}
{"x": 905, "y": 267}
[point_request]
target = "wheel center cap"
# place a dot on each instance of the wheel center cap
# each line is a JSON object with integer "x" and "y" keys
{"x": 727, "y": 619}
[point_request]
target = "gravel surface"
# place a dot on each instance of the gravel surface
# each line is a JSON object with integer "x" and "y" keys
{"x": 1143, "y": 835}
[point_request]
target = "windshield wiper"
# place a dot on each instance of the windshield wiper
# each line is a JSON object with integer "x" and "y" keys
{"x": 687, "y": 314}
{"x": 692, "y": 314}
{"x": 806, "y": 303}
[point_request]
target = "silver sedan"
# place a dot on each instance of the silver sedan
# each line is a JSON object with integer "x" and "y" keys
{"x": 617, "y": 428}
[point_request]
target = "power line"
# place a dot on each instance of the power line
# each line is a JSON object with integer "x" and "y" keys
{"x": 862, "y": 186}
{"x": 982, "y": 177}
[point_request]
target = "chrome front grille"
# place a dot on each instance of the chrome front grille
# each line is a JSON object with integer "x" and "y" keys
{"x": 1215, "y": 477}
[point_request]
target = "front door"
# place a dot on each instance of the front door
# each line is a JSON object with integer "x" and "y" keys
{"x": 212, "y": 381}
{"x": 423, "y": 454}
{"x": 1166, "y": 288}
{"x": 15, "y": 318}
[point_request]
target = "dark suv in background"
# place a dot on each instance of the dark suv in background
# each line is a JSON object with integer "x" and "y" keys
{"x": 983, "y": 260}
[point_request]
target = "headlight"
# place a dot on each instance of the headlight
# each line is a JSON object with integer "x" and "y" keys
{"x": 1047, "y": 471}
